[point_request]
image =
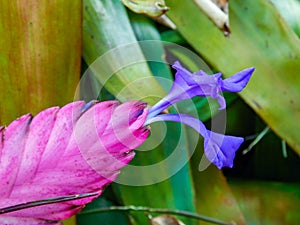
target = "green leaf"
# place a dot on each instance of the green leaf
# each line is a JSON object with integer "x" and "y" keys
{"x": 176, "y": 191}
{"x": 102, "y": 32}
{"x": 290, "y": 10}
{"x": 39, "y": 57}
{"x": 266, "y": 42}
{"x": 268, "y": 203}
{"x": 120, "y": 65}
{"x": 153, "y": 50}
{"x": 213, "y": 195}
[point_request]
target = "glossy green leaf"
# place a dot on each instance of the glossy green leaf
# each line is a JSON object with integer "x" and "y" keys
{"x": 39, "y": 66}
{"x": 290, "y": 10}
{"x": 120, "y": 65}
{"x": 145, "y": 30}
{"x": 266, "y": 42}
{"x": 177, "y": 191}
{"x": 268, "y": 203}
{"x": 40, "y": 51}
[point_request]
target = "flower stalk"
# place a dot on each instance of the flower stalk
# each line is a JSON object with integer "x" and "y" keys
{"x": 156, "y": 210}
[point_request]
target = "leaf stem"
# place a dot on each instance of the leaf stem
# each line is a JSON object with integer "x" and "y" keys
{"x": 45, "y": 202}
{"x": 256, "y": 140}
{"x": 155, "y": 210}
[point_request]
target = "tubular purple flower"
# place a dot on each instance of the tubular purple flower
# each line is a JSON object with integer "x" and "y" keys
{"x": 219, "y": 149}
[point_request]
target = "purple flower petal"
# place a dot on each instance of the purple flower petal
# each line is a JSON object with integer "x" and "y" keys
{"x": 201, "y": 84}
{"x": 222, "y": 148}
{"x": 187, "y": 85}
{"x": 219, "y": 149}
{"x": 238, "y": 81}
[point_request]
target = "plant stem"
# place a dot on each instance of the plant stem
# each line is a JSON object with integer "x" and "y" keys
{"x": 155, "y": 210}
{"x": 45, "y": 202}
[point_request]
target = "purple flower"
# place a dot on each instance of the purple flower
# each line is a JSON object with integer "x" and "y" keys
{"x": 219, "y": 149}
{"x": 187, "y": 85}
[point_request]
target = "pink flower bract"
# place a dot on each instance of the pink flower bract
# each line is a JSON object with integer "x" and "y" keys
{"x": 76, "y": 149}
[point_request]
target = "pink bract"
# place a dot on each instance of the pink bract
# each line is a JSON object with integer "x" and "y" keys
{"x": 63, "y": 151}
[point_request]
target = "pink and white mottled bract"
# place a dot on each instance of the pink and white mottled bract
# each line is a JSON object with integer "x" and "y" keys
{"x": 75, "y": 149}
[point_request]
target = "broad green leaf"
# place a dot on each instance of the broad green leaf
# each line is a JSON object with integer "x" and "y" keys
{"x": 113, "y": 54}
{"x": 266, "y": 42}
{"x": 268, "y": 203}
{"x": 176, "y": 192}
{"x": 40, "y": 50}
{"x": 102, "y": 32}
{"x": 145, "y": 30}
{"x": 290, "y": 10}
{"x": 39, "y": 57}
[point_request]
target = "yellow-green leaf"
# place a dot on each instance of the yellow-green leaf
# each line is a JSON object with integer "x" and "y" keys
{"x": 266, "y": 42}
{"x": 39, "y": 55}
